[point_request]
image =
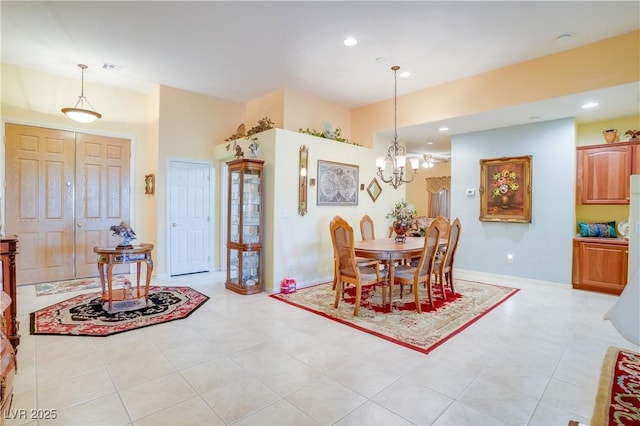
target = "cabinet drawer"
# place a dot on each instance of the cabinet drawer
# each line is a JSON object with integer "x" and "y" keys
{"x": 7, "y": 371}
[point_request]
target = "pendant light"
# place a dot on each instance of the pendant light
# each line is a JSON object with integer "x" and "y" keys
{"x": 396, "y": 154}
{"x": 79, "y": 113}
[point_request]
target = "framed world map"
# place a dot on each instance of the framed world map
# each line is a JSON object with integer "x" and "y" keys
{"x": 337, "y": 184}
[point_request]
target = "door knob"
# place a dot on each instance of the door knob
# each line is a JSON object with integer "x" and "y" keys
{"x": 174, "y": 224}
{"x": 79, "y": 224}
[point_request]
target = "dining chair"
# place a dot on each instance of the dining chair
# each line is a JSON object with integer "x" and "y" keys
{"x": 366, "y": 228}
{"x": 360, "y": 261}
{"x": 443, "y": 265}
{"x": 422, "y": 272}
{"x": 347, "y": 270}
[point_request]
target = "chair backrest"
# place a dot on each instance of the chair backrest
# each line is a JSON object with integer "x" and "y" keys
{"x": 366, "y": 228}
{"x": 427, "y": 258}
{"x": 342, "y": 234}
{"x": 452, "y": 243}
{"x": 444, "y": 225}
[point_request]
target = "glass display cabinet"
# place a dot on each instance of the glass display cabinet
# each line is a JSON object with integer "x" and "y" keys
{"x": 244, "y": 226}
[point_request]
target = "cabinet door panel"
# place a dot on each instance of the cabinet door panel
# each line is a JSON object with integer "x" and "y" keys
{"x": 603, "y": 175}
{"x": 601, "y": 267}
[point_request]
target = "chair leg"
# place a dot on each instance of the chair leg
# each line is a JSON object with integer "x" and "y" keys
{"x": 450, "y": 281}
{"x": 357, "y": 301}
{"x": 338, "y": 290}
{"x": 430, "y": 291}
{"x": 442, "y": 286}
{"x": 416, "y": 298}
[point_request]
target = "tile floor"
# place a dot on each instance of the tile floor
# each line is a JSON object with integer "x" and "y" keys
{"x": 252, "y": 360}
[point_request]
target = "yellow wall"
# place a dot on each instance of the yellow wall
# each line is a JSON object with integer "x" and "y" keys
{"x": 591, "y": 134}
{"x": 573, "y": 71}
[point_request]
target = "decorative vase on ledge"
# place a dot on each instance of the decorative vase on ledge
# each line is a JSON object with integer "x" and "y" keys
{"x": 610, "y": 135}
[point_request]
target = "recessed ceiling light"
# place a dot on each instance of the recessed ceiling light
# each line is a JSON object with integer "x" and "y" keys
{"x": 443, "y": 129}
{"x": 405, "y": 74}
{"x": 350, "y": 41}
{"x": 590, "y": 104}
{"x": 429, "y": 142}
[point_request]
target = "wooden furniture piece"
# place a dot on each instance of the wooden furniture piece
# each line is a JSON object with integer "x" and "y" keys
{"x": 421, "y": 273}
{"x": 8, "y": 251}
{"x": 443, "y": 266}
{"x": 390, "y": 252}
{"x": 603, "y": 172}
{"x": 348, "y": 271}
{"x": 7, "y": 366}
{"x": 110, "y": 256}
{"x": 244, "y": 226}
{"x": 600, "y": 264}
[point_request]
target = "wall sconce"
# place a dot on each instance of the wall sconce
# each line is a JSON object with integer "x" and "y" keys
{"x": 302, "y": 187}
{"x": 150, "y": 184}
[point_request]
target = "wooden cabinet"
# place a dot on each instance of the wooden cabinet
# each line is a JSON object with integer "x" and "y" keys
{"x": 7, "y": 373}
{"x": 8, "y": 251}
{"x": 600, "y": 264}
{"x": 603, "y": 172}
{"x": 245, "y": 226}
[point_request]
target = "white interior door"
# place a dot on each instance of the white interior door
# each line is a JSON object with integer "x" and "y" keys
{"x": 189, "y": 217}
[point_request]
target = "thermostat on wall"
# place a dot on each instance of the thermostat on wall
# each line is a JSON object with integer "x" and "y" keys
{"x": 470, "y": 191}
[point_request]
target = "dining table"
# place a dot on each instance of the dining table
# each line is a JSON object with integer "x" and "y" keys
{"x": 389, "y": 251}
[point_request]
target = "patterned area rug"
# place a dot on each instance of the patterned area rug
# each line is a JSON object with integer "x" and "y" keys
{"x": 56, "y": 287}
{"x": 618, "y": 397}
{"x": 85, "y": 314}
{"x": 403, "y": 325}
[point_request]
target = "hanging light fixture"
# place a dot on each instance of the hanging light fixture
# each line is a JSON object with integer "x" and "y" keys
{"x": 427, "y": 162}
{"x": 78, "y": 112}
{"x": 396, "y": 154}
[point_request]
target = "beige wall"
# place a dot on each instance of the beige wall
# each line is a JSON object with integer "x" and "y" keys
{"x": 35, "y": 98}
{"x": 293, "y": 110}
{"x": 190, "y": 127}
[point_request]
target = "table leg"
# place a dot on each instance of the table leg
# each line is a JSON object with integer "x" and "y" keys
{"x": 101, "y": 272}
{"x": 138, "y": 279}
{"x": 110, "y": 282}
{"x": 392, "y": 269}
{"x": 149, "y": 263}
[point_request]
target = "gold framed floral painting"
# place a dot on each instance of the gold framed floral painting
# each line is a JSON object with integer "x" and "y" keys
{"x": 505, "y": 189}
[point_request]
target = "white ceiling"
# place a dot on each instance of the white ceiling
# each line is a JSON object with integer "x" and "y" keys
{"x": 241, "y": 50}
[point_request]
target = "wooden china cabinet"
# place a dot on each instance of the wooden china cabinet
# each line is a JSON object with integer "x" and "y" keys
{"x": 245, "y": 226}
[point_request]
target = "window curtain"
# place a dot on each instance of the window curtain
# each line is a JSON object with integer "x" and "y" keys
{"x": 439, "y": 190}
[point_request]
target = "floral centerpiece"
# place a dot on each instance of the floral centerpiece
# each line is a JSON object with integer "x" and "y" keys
{"x": 402, "y": 215}
{"x": 505, "y": 185}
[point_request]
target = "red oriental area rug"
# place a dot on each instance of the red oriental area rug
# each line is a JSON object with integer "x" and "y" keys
{"x": 85, "y": 314}
{"x": 618, "y": 397}
{"x": 402, "y": 324}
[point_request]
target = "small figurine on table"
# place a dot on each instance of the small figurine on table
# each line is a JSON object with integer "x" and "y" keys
{"x": 126, "y": 233}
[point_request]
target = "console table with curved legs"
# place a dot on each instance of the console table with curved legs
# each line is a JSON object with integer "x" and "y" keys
{"x": 109, "y": 256}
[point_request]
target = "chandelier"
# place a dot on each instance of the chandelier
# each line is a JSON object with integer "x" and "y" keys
{"x": 396, "y": 154}
{"x": 78, "y": 112}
